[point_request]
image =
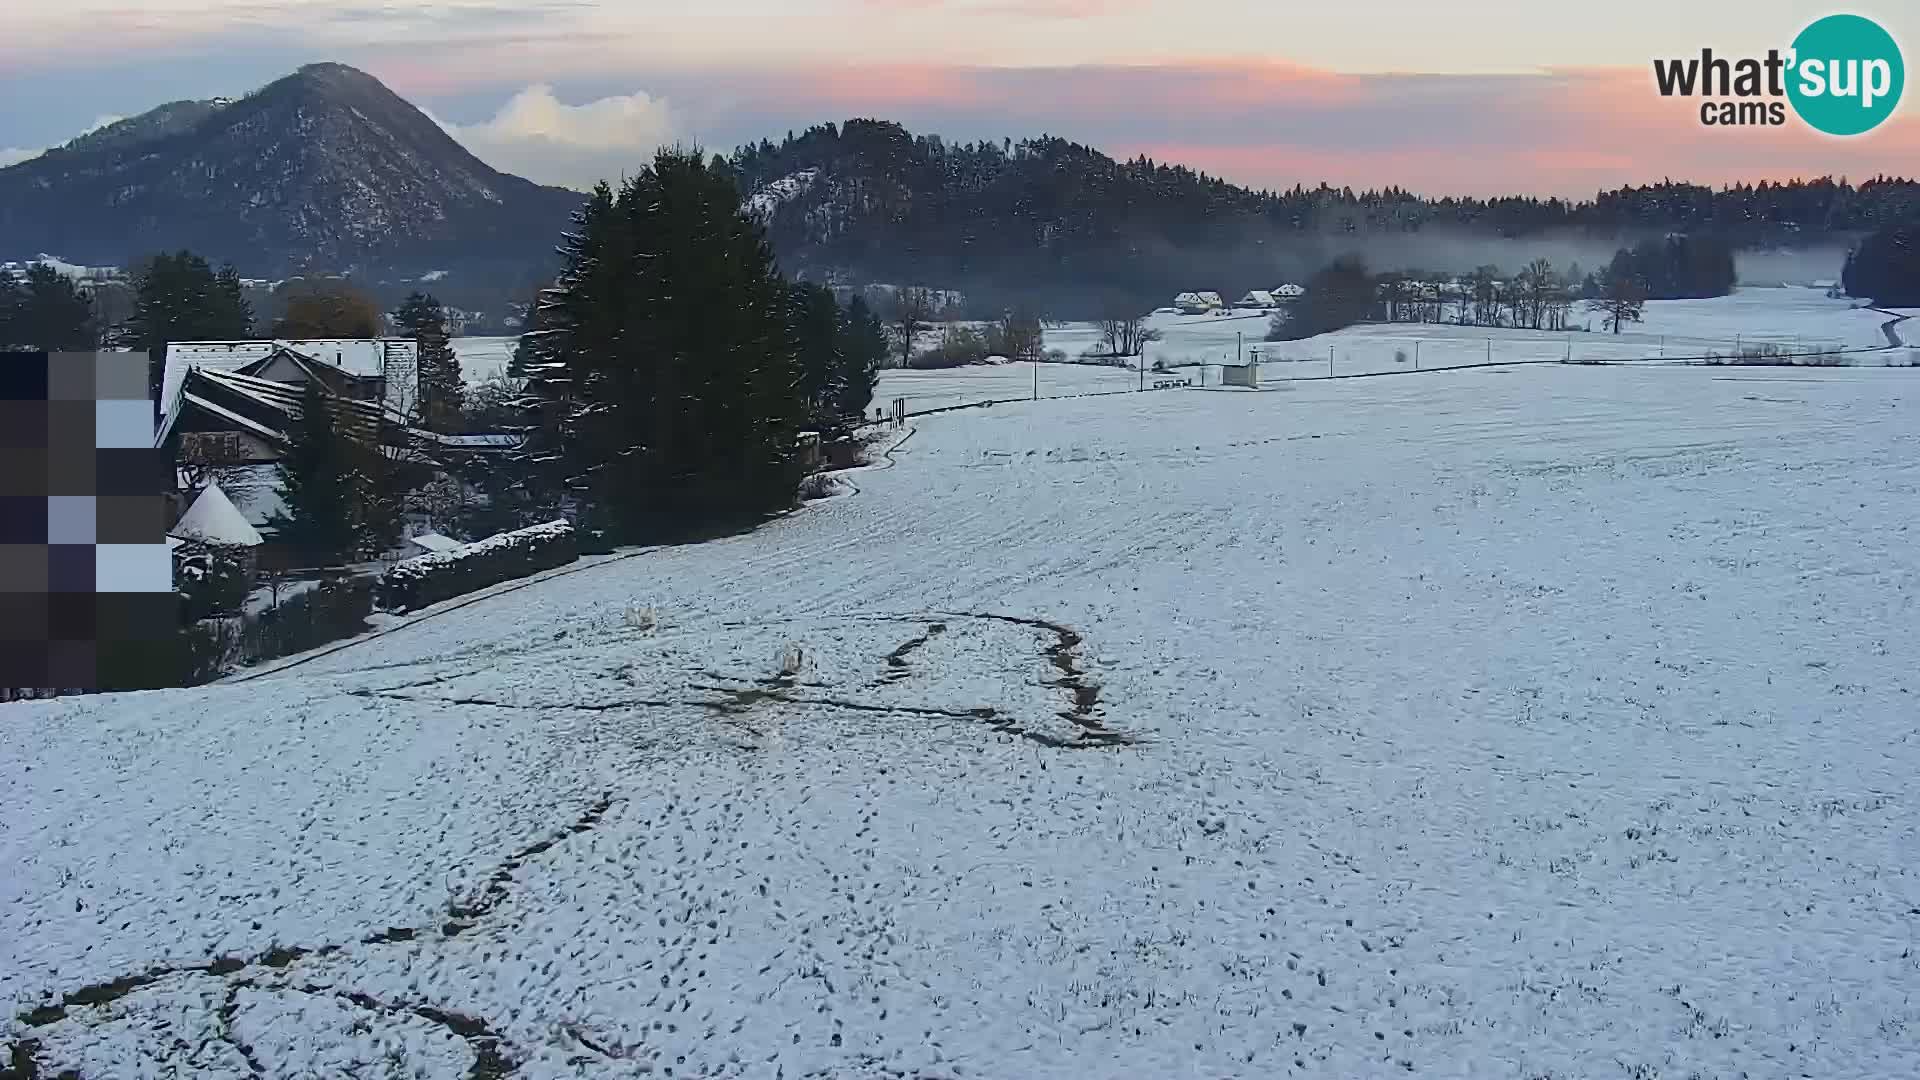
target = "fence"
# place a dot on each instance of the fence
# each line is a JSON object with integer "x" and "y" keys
{"x": 918, "y": 393}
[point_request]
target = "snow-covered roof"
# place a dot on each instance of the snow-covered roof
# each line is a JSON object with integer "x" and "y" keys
{"x": 213, "y": 519}
{"x": 362, "y": 357}
{"x": 485, "y": 441}
{"x": 1259, "y": 297}
{"x": 434, "y": 542}
{"x": 1290, "y": 290}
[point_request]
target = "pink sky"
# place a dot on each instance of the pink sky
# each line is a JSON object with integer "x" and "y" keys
{"x": 1470, "y": 96}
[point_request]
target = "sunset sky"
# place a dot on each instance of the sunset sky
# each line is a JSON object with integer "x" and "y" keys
{"x": 1454, "y": 97}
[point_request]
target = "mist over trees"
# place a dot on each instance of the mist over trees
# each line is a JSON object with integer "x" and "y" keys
{"x": 1885, "y": 268}
{"x": 1056, "y": 223}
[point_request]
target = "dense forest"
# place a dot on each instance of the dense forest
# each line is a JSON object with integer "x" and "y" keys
{"x": 1006, "y": 221}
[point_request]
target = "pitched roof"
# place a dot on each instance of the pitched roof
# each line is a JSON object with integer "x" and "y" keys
{"x": 213, "y": 519}
{"x": 229, "y": 394}
{"x": 364, "y": 358}
{"x": 435, "y": 542}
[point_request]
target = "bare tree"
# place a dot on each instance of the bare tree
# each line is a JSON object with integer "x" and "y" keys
{"x": 1017, "y": 335}
{"x": 1484, "y": 287}
{"x": 1621, "y": 301}
{"x": 1126, "y": 335}
{"x": 910, "y": 308}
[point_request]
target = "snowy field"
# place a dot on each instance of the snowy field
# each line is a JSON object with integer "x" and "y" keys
{"x": 1515, "y": 722}
{"x": 483, "y": 359}
{"x": 1795, "y": 319}
{"x": 928, "y": 390}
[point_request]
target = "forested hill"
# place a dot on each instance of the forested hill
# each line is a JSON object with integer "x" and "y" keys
{"x": 1060, "y": 223}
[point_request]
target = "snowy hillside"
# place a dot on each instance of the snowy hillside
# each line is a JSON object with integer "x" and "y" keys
{"x": 771, "y": 196}
{"x": 1535, "y": 721}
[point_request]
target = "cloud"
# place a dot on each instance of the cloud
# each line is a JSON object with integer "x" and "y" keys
{"x": 540, "y": 137}
{"x": 14, "y": 155}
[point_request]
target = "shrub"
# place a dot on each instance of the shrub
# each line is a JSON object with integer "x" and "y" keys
{"x": 821, "y": 486}
{"x": 959, "y": 346}
{"x": 207, "y": 649}
{"x": 213, "y": 579}
{"x": 1056, "y": 356}
{"x": 333, "y": 610}
{"x": 442, "y": 575}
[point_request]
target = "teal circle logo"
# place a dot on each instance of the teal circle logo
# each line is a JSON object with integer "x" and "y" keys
{"x": 1847, "y": 75}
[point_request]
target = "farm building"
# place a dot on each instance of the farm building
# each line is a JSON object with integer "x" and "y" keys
{"x": 1198, "y": 303}
{"x": 1256, "y": 298}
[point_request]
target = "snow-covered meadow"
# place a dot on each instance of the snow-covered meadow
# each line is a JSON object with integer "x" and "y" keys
{"x": 1521, "y": 721}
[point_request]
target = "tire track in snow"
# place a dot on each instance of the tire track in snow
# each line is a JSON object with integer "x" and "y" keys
{"x": 460, "y": 916}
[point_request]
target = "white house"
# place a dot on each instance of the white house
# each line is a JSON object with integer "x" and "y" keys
{"x": 1289, "y": 292}
{"x": 1256, "y": 298}
{"x": 1197, "y": 303}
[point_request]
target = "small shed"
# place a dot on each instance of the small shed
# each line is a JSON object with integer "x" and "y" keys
{"x": 212, "y": 519}
{"x": 427, "y": 543}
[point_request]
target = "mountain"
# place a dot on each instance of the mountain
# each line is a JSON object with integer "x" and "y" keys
{"x": 325, "y": 169}
{"x": 1061, "y": 226}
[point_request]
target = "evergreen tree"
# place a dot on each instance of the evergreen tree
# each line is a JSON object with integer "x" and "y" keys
{"x": 178, "y": 297}
{"x": 49, "y": 312}
{"x": 664, "y": 368}
{"x": 423, "y": 319}
{"x": 864, "y": 350}
{"x": 816, "y": 331}
{"x": 12, "y": 299}
{"x": 1885, "y": 268}
{"x": 317, "y": 483}
{"x": 1337, "y": 296}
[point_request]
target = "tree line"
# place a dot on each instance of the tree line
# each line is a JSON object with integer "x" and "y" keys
{"x": 1538, "y": 297}
{"x": 1054, "y": 222}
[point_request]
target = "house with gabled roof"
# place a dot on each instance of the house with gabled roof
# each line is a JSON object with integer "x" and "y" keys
{"x": 229, "y": 408}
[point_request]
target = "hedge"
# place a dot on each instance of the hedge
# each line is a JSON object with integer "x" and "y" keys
{"x": 328, "y": 612}
{"x": 441, "y": 575}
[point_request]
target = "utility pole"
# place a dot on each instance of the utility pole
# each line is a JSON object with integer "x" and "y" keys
{"x": 1237, "y": 358}
{"x": 1416, "y": 354}
{"x": 1036, "y": 380}
{"x": 1330, "y": 361}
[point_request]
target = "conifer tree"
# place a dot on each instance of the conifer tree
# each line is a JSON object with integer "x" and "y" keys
{"x": 864, "y": 350}
{"x": 817, "y": 332}
{"x": 45, "y": 311}
{"x": 317, "y": 483}
{"x": 663, "y": 367}
{"x": 423, "y": 319}
{"x": 179, "y": 297}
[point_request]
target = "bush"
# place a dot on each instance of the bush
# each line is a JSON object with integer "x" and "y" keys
{"x": 207, "y": 649}
{"x": 442, "y": 575}
{"x": 822, "y": 486}
{"x": 1056, "y": 356}
{"x": 959, "y": 346}
{"x": 213, "y": 579}
{"x": 333, "y": 610}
